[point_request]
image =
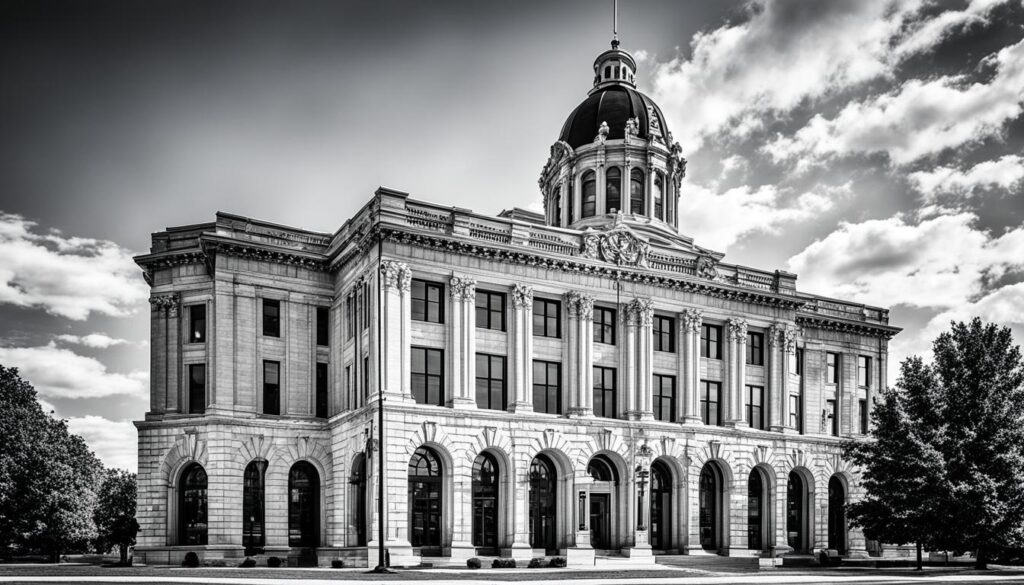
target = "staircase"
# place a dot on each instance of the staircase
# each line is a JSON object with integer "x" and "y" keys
{"x": 710, "y": 563}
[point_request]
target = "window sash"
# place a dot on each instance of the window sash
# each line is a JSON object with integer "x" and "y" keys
{"x": 755, "y": 349}
{"x": 710, "y": 342}
{"x": 426, "y": 301}
{"x": 271, "y": 318}
{"x": 490, "y": 381}
{"x": 271, "y": 387}
{"x": 323, "y": 326}
{"x": 604, "y": 325}
{"x": 197, "y": 388}
{"x": 321, "y": 391}
{"x": 664, "y": 334}
{"x": 546, "y": 318}
{"x": 547, "y": 387}
{"x": 490, "y": 310}
{"x": 604, "y": 392}
{"x": 427, "y": 375}
{"x": 664, "y": 399}
{"x": 710, "y": 399}
{"x": 197, "y": 324}
{"x": 755, "y": 407}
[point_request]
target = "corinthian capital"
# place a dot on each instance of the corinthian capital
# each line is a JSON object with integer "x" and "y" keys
{"x": 737, "y": 330}
{"x": 691, "y": 320}
{"x": 395, "y": 275}
{"x": 640, "y": 311}
{"x": 789, "y": 339}
{"x": 463, "y": 288}
{"x": 522, "y": 296}
{"x": 580, "y": 305}
{"x": 168, "y": 301}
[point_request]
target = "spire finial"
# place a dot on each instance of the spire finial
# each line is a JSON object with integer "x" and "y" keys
{"x": 615, "y": 24}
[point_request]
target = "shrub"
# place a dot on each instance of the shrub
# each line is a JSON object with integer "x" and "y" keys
{"x": 557, "y": 562}
{"x": 337, "y": 564}
{"x": 503, "y": 564}
{"x": 248, "y": 563}
{"x": 536, "y": 563}
{"x": 273, "y": 562}
{"x": 191, "y": 560}
{"x": 473, "y": 563}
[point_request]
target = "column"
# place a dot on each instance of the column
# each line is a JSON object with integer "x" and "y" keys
{"x": 628, "y": 362}
{"x": 789, "y": 357}
{"x": 601, "y": 184}
{"x": 649, "y": 191}
{"x": 521, "y": 349}
{"x": 581, "y": 356}
{"x": 645, "y": 357}
{"x": 689, "y": 373}
{"x": 395, "y": 319}
{"x": 518, "y": 514}
{"x": 462, "y": 357}
{"x": 778, "y": 373}
{"x": 736, "y": 362}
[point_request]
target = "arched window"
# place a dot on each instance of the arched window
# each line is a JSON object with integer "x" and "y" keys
{"x": 636, "y": 192}
{"x": 542, "y": 504}
{"x": 425, "y": 474}
{"x": 612, "y": 190}
{"x": 603, "y": 496}
{"x": 710, "y": 507}
{"x": 756, "y": 511}
{"x": 358, "y": 483}
{"x": 253, "y": 510}
{"x": 607, "y": 71}
{"x": 192, "y": 506}
{"x": 601, "y": 469}
{"x": 589, "y": 194}
{"x": 836, "y": 515}
{"x": 659, "y": 197}
{"x": 556, "y": 201}
{"x": 303, "y": 505}
{"x": 485, "y": 501}
{"x": 795, "y": 511}
{"x": 661, "y": 507}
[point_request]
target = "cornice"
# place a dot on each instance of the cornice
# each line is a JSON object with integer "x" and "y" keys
{"x": 847, "y": 326}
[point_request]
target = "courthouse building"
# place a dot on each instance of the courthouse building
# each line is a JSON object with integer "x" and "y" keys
{"x": 588, "y": 383}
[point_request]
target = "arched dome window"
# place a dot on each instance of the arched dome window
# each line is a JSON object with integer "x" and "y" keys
{"x": 556, "y": 200}
{"x": 608, "y": 72}
{"x": 613, "y": 190}
{"x": 637, "y": 205}
{"x": 589, "y": 194}
{"x": 659, "y": 196}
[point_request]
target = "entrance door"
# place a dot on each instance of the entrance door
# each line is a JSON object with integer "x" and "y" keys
{"x": 425, "y": 502}
{"x": 542, "y": 505}
{"x": 661, "y": 507}
{"x": 795, "y": 512}
{"x": 836, "y": 515}
{"x": 485, "y": 504}
{"x": 600, "y": 522}
{"x": 708, "y": 508}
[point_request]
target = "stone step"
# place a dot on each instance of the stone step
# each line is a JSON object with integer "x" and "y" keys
{"x": 709, "y": 562}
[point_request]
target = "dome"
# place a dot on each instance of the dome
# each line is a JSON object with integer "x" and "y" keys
{"x": 614, "y": 104}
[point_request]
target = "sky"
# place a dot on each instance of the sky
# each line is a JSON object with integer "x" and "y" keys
{"x": 873, "y": 147}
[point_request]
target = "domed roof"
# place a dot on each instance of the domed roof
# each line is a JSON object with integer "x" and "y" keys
{"x": 614, "y": 104}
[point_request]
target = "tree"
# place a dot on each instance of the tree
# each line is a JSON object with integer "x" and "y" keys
{"x": 115, "y": 512}
{"x": 945, "y": 467}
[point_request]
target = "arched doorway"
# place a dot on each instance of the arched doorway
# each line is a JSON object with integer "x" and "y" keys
{"x": 485, "y": 503}
{"x": 758, "y": 517}
{"x": 836, "y": 515}
{"x": 253, "y": 508}
{"x": 661, "y": 507}
{"x": 357, "y": 481}
{"x": 711, "y": 508}
{"x": 425, "y": 475}
{"x": 192, "y": 507}
{"x": 543, "y": 491}
{"x": 602, "y": 497}
{"x": 796, "y": 512}
{"x": 303, "y": 506}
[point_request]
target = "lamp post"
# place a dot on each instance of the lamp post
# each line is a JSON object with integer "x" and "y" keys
{"x": 641, "y": 474}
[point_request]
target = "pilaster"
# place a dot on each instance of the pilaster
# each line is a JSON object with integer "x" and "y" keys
{"x": 462, "y": 361}
{"x": 581, "y": 315}
{"x": 643, "y": 313}
{"x": 521, "y": 349}
{"x": 736, "y": 366}
{"x": 396, "y": 324}
{"x": 689, "y": 374}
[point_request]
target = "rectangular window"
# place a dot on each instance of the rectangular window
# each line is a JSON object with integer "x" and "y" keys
{"x": 547, "y": 387}
{"x": 547, "y": 318}
{"x": 863, "y": 371}
{"x": 271, "y": 387}
{"x": 755, "y": 349}
{"x": 366, "y": 306}
{"x": 710, "y": 398}
{"x": 350, "y": 317}
{"x": 349, "y": 388}
{"x": 323, "y": 326}
{"x": 321, "y": 390}
{"x": 664, "y": 334}
{"x": 604, "y": 392}
{"x": 755, "y": 407}
{"x": 427, "y": 302}
{"x": 664, "y": 398}
{"x": 833, "y": 417}
{"x": 711, "y": 342}
{"x": 428, "y": 376}
{"x": 490, "y": 310}
{"x": 197, "y": 388}
{"x": 604, "y": 325}
{"x": 271, "y": 318}
{"x": 490, "y": 381}
{"x": 831, "y": 368}
{"x": 799, "y": 361}
{"x": 197, "y": 324}
{"x": 863, "y": 416}
{"x": 366, "y": 378}
{"x": 795, "y": 416}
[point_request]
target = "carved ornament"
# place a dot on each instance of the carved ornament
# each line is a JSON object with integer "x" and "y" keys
{"x": 168, "y": 302}
{"x": 396, "y": 275}
{"x": 522, "y": 296}
{"x": 602, "y": 133}
{"x": 706, "y": 267}
{"x": 692, "y": 320}
{"x": 640, "y": 312}
{"x": 618, "y": 245}
{"x": 580, "y": 305}
{"x": 463, "y": 288}
{"x": 737, "y": 330}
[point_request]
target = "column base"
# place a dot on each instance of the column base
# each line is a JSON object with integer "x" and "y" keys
{"x": 520, "y": 407}
{"x": 692, "y": 420}
{"x": 743, "y": 552}
{"x": 520, "y": 551}
{"x": 462, "y": 404}
{"x": 857, "y": 553}
{"x": 580, "y": 412}
{"x": 462, "y": 552}
{"x": 736, "y": 424}
{"x": 399, "y": 554}
{"x": 699, "y": 551}
{"x": 785, "y": 430}
{"x": 782, "y": 549}
{"x": 579, "y": 557}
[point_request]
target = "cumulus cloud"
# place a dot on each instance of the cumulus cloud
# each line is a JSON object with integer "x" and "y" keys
{"x": 60, "y": 373}
{"x": 1003, "y": 173}
{"x": 917, "y": 120}
{"x": 97, "y": 340}
{"x": 67, "y": 276}
{"x": 941, "y": 262}
{"x": 114, "y": 442}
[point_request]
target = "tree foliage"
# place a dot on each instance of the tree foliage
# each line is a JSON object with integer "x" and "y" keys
{"x": 115, "y": 512}
{"x": 945, "y": 467}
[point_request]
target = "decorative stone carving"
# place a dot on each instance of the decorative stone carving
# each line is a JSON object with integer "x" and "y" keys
{"x": 632, "y": 127}
{"x": 706, "y": 267}
{"x": 522, "y": 296}
{"x": 463, "y": 288}
{"x": 640, "y": 312}
{"x": 644, "y": 454}
{"x": 168, "y": 302}
{"x": 789, "y": 339}
{"x": 692, "y": 320}
{"x": 737, "y": 330}
{"x": 602, "y": 133}
{"x": 618, "y": 245}
{"x": 580, "y": 305}
{"x": 395, "y": 275}
{"x": 653, "y": 125}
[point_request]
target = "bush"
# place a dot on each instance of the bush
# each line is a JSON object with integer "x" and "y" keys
{"x": 557, "y": 562}
{"x": 191, "y": 560}
{"x": 473, "y": 563}
{"x": 503, "y": 564}
{"x": 248, "y": 563}
{"x": 273, "y": 562}
{"x": 536, "y": 563}
{"x": 337, "y": 564}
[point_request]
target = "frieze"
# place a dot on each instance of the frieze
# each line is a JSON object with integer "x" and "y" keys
{"x": 522, "y": 296}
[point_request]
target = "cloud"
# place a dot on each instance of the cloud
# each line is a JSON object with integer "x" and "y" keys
{"x": 917, "y": 120}
{"x": 61, "y": 373}
{"x": 925, "y": 35}
{"x": 717, "y": 220}
{"x": 97, "y": 340}
{"x": 941, "y": 262}
{"x": 67, "y": 276}
{"x": 1003, "y": 173}
{"x": 114, "y": 442}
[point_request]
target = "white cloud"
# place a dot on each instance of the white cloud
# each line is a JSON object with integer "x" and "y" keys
{"x": 923, "y": 36}
{"x": 61, "y": 373}
{"x": 1003, "y": 173}
{"x": 97, "y": 340}
{"x": 114, "y": 442}
{"x": 941, "y": 262}
{"x": 67, "y": 276}
{"x": 919, "y": 119}
{"x": 717, "y": 220}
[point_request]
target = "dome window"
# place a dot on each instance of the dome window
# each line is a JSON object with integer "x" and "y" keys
{"x": 659, "y": 197}
{"x": 589, "y": 195}
{"x": 637, "y": 206}
{"x": 613, "y": 190}
{"x": 608, "y": 72}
